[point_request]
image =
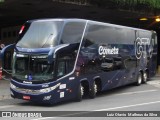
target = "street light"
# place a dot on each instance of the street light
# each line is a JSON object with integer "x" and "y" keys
{"x": 157, "y": 19}
{"x": 143, "y": 19}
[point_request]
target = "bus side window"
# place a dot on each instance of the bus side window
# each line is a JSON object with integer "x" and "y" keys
{"x": 118, "y": 63}
{"x": 65, "y": 65}
{"x": 130, "y": 62}
{"x": 72, "y": 32}
{"x": 61, "y": 69}
{"x": 107, "y": 64}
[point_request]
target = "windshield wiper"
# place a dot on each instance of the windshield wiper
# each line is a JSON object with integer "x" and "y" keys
{"x": 49, "y": 38}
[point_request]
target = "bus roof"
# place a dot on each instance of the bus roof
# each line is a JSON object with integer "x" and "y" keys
{"x": 66, "y": 20}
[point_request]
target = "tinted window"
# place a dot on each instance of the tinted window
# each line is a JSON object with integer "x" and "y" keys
{"x": 118, "y": 63}
{"x": 107, "y": 64}
{"x": 72, "y": 32}
{"x": 130, "y": 63}
{"x": 101, "y": 34}
{"x": 118, "y": 40}
{"x": 145, "y": 34}
{"x": 65, "y": 64}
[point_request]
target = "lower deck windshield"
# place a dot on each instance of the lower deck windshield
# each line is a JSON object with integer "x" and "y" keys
{"x": 32, "y": 68}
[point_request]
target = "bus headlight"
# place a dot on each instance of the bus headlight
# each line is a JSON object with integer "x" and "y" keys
{"x": 49, "y": 89}
{"x": 45, "y": 90}
{"x": 32, "y": 91}
{"x": 12, "y": 86}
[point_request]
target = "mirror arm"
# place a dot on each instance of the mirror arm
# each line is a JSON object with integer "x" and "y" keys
{"x": 4, "y": 49}
{"x": 53, "y": 51}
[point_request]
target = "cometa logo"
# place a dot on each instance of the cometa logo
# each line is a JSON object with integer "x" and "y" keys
{"x": 141, "y": 45}
{"x": 108, "y": 51}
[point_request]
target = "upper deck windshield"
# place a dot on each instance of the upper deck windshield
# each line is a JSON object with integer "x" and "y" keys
{"x": 40, "y": 34}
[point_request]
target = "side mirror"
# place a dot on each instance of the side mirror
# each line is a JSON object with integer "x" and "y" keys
{"x": 10, "y": 46}
{"x": 54, "y": 50}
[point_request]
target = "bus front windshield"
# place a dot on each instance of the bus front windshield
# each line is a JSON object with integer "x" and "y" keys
{"x": 32, "y": 68}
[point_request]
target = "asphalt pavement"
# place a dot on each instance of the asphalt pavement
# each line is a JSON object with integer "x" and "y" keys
{"x": 5, "y": 88}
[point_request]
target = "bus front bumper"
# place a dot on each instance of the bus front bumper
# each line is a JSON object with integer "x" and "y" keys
{"x": 49, "y": 98}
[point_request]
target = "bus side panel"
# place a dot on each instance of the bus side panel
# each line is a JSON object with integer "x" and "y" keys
{"x": 108, "y": 52}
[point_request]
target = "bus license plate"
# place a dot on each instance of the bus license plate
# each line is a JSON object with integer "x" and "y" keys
{"x": 26, "y": 97}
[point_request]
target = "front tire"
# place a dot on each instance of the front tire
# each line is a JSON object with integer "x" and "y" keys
{"x": 80, "y": 93}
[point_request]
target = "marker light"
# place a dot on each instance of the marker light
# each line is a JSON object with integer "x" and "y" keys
{"x": 22, "y": 28}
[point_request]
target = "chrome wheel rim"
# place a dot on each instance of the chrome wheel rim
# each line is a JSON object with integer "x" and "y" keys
{"x": 95, "y": 88}
{"x": 145, "y": 77}
{"x": 82, "y": 90}
{"x": 139, "y": 79}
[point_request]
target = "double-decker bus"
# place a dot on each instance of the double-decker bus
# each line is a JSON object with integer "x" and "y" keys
{"x": 62, "y": 59}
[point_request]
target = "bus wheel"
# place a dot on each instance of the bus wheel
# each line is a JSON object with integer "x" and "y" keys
{"x": 139, "y": 79}
{"x": 145, "y": 77}
{"x": 80, "y": 93}
{"x": 93, "y": 91}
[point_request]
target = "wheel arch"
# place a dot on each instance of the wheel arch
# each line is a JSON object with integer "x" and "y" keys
{"x": 85, "y": 83}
